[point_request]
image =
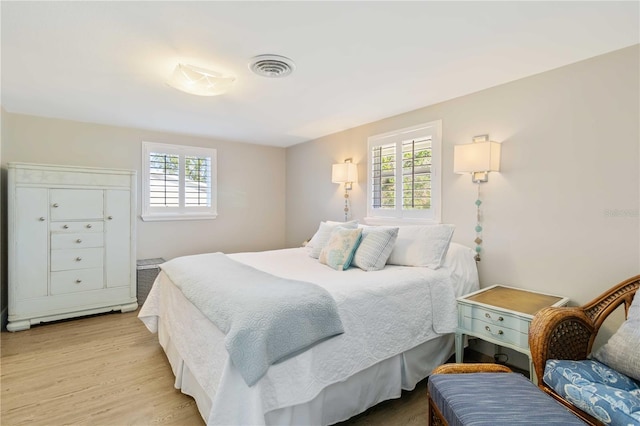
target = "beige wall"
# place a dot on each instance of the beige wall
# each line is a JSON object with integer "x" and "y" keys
{"x": 251, "y": 182}
{"x": 561, "y": 217}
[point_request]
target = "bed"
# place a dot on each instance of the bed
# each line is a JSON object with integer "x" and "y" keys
{"x": 398, "y": 324}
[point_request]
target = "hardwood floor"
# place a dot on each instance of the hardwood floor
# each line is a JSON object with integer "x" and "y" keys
{"x": 109, "y": 370}
{"x": 101, "y": 370}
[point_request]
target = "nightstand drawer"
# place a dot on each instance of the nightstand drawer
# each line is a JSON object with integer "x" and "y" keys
{"x": 496, "y": 317}
{"x": 500, "y": 332}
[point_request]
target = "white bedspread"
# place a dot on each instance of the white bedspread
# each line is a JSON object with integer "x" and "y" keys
{"x": 384, "y": 313}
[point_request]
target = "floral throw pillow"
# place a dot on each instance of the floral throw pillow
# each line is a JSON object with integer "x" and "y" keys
{"x": 338, "y": 252}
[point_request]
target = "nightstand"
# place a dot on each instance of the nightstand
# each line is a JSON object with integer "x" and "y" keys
{"x": 501, "y": 315}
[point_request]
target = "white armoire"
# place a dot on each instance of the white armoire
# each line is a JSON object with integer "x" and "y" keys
{"x": 71, "y": 242}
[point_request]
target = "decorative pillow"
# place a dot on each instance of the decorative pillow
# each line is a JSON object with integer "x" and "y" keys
{"x": 622, "y": 351}
{"x": 321, "y": 237}
{"x": 339, "y": 250}
{"x": 375, "y": 247}
{"x": 422, "y": 245}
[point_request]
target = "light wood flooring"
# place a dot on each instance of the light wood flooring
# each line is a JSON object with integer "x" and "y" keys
{"x": 109, "y": 370}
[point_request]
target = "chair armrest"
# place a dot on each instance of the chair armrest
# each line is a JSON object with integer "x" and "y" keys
{"x": 470, "y": 368}
{"x": 600, "y": 308}
{"x": 560, "y": 333}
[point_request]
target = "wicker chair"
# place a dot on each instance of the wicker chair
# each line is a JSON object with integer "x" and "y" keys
{"x": 568, "y": 333}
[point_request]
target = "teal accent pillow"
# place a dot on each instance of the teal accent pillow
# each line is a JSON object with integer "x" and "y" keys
{"x": 622, "y": 351}
{"x": 323, "y": 234}
{"x": 338, "y": 252}
{"x": 375, "y": 247}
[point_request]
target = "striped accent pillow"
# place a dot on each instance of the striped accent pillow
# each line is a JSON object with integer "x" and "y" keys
{"x": 375, "y": 248}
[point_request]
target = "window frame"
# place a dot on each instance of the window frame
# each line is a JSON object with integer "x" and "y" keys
{"x": 182, "y": 212}
{"x": 398, "y": 214}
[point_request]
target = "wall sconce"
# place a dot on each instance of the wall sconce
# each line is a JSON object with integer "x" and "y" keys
{"x": 199, "y": 81}
{"x": 346, "y": 173}
{"x": 478, "y": 158}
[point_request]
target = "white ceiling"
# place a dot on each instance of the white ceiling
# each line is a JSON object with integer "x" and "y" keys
{"x": 357, "y": 62}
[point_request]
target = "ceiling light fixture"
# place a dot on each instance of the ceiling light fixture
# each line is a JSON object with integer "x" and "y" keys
{"x": 199, "y": 81}
{"x": 272, "y": 66}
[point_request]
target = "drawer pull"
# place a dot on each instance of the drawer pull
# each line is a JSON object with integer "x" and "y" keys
{"x": 41, "y": 219}
{"x": 489, "y": 316}
{"x": 78, "y": 241}
{"x": 500, "y": 332}
{"x": 65, "y": 226}
{"x": 109, "y": 217}
{"x": 89, "y": 225}
{"x": 56, "y": 205}
{"x": 78, "y": 259}
{"x": 78, "y": 281}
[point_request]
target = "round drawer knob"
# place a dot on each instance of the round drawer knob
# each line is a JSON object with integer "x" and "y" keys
{"x": 78, "y": 259}
{"x": 78, "y": 281}
{"x": 109, "y": 217}
{"x": 65, "y": 226}
{"x": 78, "y": 241}
{"x": 41, "y": 219}
{"x": 89, "y": 225}
{"x": 56, "y": 205}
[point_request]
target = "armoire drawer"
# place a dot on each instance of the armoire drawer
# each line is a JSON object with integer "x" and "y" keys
{"x": 75, "y": 227}
{"x": 74, "y": 281}
{"x": 62, "y": 260}
{"x": 78, "y": 204}
{"x": 74, "y": 241}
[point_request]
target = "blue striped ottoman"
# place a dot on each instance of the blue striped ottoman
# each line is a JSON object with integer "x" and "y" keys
{"x": 492, "y": 399}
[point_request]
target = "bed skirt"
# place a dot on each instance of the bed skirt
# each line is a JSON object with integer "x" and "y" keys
{"x": 337, "y": 402}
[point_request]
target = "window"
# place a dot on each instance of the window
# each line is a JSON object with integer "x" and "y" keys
{"x": 404, "y": 173}
{"x": 179, "y": 182}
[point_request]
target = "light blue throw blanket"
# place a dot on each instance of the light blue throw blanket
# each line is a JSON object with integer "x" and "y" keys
{"x": 266, "y": 319}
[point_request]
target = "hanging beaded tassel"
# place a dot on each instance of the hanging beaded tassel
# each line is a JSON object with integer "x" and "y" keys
{"x": 478, "y": 239}
{"x": 346, "y": 205}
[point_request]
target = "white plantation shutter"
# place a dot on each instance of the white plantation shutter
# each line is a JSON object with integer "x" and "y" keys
{"x": 383, "y": 176}
{"x": 197, "y": 181}
{"x": 163, "y": 180}
{"x": 404, "y": 175}
{"x": 416, "y": 174}
{"x": 179, "y": 182}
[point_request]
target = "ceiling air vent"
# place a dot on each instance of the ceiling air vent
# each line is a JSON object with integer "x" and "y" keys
{"x": 273, "y": 66}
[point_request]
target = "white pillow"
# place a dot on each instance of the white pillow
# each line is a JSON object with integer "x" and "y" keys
{"x": 422, "y": 245}
{"x": 314, "y": 240}
{"x": 375, "y": 247}
{"x": 622, "y": 351}
{"x": 321, "y": 237}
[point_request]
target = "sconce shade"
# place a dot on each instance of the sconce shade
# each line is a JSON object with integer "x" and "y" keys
{"x": 476, "y": 157}
{"x": 344, "y": 172}
{"x": 199, "y": 81}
